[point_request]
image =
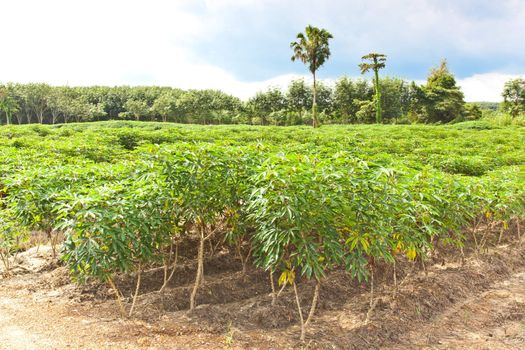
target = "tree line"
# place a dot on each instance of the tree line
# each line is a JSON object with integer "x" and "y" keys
{"x": 346, "y": 101}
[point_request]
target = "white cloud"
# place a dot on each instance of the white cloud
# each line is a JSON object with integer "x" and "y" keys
{"x": 485, "y": 87}
{"x": 114, "y": 42}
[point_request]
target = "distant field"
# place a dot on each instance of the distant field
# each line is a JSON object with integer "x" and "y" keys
{"x": 471, "y": 148}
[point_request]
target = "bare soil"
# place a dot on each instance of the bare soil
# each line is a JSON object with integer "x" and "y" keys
{"x": 474, "y": 302}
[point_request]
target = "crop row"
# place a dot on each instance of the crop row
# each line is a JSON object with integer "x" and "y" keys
{"x": 292, "y": 213}
{"x": 291, "y": 210}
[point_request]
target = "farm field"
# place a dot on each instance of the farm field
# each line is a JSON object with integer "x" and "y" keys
{"x": 175, "y": 236}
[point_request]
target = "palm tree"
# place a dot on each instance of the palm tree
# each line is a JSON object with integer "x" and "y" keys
{"x": 377, "y": 62}
{"x": 312, "y": 49}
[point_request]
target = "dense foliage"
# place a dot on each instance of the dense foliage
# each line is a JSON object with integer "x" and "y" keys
{"x": 303, "y": 202}
{"x": 514, "y": 97}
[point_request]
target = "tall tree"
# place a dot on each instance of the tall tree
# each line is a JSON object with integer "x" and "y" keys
{"x": 9, "y": 106}
{"x": 37, "y": 95}
{"x": 263, "y": 104}
{"x": 313, "y": 50}
{"x": 376, "y": 62}
{"x": 57, "y": 102}
{"x": 444, "y": 100}
{"x": 136, "y": 108}
{"x": 165, "y": 106}
{"x": 299, "y": 96}
{"x": 514, "y": 97}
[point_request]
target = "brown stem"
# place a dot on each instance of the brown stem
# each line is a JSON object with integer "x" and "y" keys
{"x": 372, "y": 302}
{"x": 371, "y": 286}
{"x": 247, "y": 259}
{"x": 314, "y": 303}
{"x": 202, "y": 263}
{"x": 239, "y": 252}
{"x": 5, "y": 261}
{"x": 168, "y": 279}
{"x": 463, "y": 258}
{"x": 49, "y": 234}
{"x": 483, "y": 240}
{"x": 212, "y": 251}
{"x": 219, "y": 242}
{"x": 423, "y": 265}
{"x": 200, "y": 269}
{"x": 137, "y": 288}
{"x": 274, "y": 296}
{"x": 166, "y": 265}
{"x": 281, "y": 290}
{"x": 303, "y": 332}
{"x": 518, "y": 229}
{"x": 395, "y": 280}
{"x": 501, "y": 233}
{"x": 474, "y": 230}
{"x": 117, "y": 296}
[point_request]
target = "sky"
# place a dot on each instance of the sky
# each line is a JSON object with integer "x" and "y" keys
{"x": 243, "y": 46}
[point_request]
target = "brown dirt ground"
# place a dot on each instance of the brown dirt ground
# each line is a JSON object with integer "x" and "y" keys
{"x": 472, "y": 303}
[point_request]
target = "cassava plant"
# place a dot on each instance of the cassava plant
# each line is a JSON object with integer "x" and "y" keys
{"x": 198, "y": 180}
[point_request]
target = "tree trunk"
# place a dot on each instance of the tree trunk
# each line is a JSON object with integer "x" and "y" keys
{"x": 315, "y": 121}
{"x": 40, "y": 116}
{"x": 379, "y": 112}
{"x": 54, "y": 117}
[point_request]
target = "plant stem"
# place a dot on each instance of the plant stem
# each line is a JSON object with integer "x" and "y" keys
{"x": 137, "y": 288}
{"x": 314, "y": 303}
{"x": 373, "y": 302}
{"x": 303, "y": 332}
{"x": 281, "y": 290}
{"x": 200, "y": 268}
{"x": 274, "y": 296}
{"x": 518, "y": 229}
{"x": 117, "y": 296}
{"x": 168, "y": 279}
{"x": 395, "y": 280}
{"x": 502, "y": 229}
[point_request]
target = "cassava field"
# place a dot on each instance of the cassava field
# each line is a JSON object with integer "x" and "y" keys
{"x": 134, "y": 235}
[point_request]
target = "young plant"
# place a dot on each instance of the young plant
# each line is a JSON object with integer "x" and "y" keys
{"x": 12, "y": 239}
{"x": 198, "y": 180}
{"x": 293, "y": 207}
